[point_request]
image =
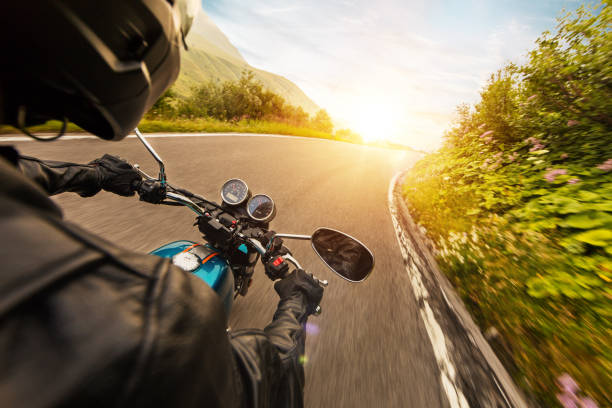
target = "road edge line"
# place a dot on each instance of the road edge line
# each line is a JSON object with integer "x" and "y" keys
{"x": 158, "y": 135}
{"x": 511, "y": 393}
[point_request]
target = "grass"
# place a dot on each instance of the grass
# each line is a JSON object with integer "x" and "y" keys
{"x": 51, "y": 126}
{"x": 207, "y": 125}
{"x": 193, "y": 126}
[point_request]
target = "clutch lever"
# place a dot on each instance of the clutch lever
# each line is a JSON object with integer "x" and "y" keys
{"x": 142, "y": 173}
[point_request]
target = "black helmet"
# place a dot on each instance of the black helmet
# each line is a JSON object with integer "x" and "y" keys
{"x": 100, "y": 64}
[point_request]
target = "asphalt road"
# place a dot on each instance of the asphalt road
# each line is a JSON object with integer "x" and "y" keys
{"x": 370, "y": 347}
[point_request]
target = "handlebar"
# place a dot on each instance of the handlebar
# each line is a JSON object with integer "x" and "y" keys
{"x": 159, "y": 191}
{"x": 217, "y": 224}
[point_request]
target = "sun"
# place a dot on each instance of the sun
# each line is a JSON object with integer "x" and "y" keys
{"x": 375, "y": 122}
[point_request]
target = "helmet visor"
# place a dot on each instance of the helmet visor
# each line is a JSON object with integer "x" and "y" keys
{"x": 187, "y": 12}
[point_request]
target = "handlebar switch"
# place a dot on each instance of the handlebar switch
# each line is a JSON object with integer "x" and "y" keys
{"x": 214, "y": 231}
{"x": 227, "y": 220}
{"x": 152, "y": 191}
{"x": 276, "y": 268}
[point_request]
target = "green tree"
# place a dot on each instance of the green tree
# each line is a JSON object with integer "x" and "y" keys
{"x": 165, "y": 105}
{"x": 234, "y": 101}
{"x": 322, "y": 122}
{"x": 569, "y": 77}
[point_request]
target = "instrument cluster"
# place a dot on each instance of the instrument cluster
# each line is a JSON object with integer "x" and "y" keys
{"x": 260, "y": 207}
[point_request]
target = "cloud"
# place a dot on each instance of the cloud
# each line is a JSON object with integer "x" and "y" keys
{"x": 420, "y": 58}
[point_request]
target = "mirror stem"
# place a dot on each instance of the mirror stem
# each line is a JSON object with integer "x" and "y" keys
{"x": 295, "y": 236}
{"x": 162, "y": 168}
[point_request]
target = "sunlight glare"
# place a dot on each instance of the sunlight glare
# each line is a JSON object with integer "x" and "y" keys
{"x": 375, "y": 122}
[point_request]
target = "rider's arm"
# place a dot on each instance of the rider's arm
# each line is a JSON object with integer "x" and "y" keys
{"x": 58, "y": 177}
{"x": 272, "y": 360}
{"x": 109, "y": 173}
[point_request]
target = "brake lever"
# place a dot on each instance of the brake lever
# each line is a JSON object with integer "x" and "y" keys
{"x": 287, "y": 257}
{"x": 295, "y": 263}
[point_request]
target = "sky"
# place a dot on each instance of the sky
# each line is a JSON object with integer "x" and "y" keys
{"x": 388, "y": 69}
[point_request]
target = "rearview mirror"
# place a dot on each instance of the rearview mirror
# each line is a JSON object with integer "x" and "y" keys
{"x": 343, "y": 254}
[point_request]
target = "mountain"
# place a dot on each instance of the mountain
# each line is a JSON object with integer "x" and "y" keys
{"x": 212, "y": 56}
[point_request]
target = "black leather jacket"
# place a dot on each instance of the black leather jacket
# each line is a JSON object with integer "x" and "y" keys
{"x": 84, "y": 323}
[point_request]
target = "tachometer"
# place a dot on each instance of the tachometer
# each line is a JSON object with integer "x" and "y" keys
{"x": 234, "y": 192}
{"x": 261, "y": 208}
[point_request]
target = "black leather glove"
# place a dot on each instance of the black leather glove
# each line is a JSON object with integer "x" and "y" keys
{"x": 117, "y": 175}
{"x": 300, "y": 282}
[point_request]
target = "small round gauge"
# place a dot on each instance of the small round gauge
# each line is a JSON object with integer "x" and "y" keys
{"x": 261, "y": 208}
{"x": 234, "y": 192}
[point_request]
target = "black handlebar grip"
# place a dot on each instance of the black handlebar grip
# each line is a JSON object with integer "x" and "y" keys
{"x": 152, "y": 191}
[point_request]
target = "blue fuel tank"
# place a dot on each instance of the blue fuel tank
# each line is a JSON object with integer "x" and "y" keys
{"x": 206, "y": 263}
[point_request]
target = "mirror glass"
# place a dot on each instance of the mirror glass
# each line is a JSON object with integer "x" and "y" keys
{"x": 345, "y": 255}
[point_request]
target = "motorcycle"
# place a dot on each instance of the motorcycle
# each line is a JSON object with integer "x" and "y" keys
{"x": 237, "y": 234}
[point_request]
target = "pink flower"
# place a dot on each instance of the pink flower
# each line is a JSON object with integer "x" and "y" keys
{"x": 552, "y": 174}
{"x": 587, "y": 403}
{"x": 573, "y": 180}
{"x": 606, "y": 166}
{"x": 496, "y": 165}
{"x": 572, "y": 122}
{"x": 482, "y": 126}
{"x": 488, "y": 139}
{"x": 567, "y": 383}
{"x": 532, "y": 97}
{"x": 536, "y": 144}
{"x": 485, "y": 134}
{"x": 564, "y": 156}
{"x": 497, "y": 155}
{"x": 567, "y": 400}
{"x": 512, "y": 157}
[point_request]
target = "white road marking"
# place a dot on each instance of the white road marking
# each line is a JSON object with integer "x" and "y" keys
{"x": 448, "y": 373}
{"x": 71, "y": 136}
{"x": 159, "y": 135}
{"x": 29, "y": 139}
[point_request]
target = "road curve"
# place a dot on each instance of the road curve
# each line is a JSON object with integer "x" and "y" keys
{"x": 370, "y": 347}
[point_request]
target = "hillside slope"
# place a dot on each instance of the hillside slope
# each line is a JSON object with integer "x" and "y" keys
{"x": 211, "y": 56}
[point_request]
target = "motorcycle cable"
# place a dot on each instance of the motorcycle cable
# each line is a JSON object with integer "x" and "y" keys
{"x": 189, "y": 194}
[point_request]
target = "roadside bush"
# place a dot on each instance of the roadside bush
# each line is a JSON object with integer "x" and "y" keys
{"x": 237, "y": 101}
{"x": 519, "y": 203}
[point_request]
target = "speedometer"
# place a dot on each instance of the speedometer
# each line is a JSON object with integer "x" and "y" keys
{"x": 234, "y": 192}
{"x": 261, "y": 208}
